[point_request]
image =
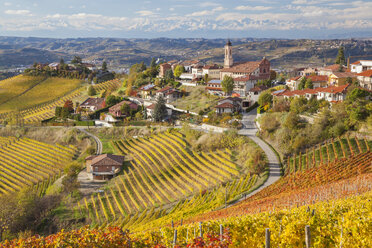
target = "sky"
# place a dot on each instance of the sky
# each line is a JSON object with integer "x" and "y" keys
{"x": 186, "y": 19}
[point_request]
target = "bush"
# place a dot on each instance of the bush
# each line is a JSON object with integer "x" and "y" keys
{"x": 91, "y": 150}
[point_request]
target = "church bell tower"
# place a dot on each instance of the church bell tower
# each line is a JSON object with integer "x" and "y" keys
{"x": 228, "y": 55}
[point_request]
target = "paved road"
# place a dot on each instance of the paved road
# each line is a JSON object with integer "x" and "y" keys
{"x": 96, "y": 139}
{"x": 249, "y": 129}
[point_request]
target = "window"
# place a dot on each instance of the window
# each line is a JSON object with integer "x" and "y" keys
{"x": 113, "y": 168}
{"x": 96, "y": 168}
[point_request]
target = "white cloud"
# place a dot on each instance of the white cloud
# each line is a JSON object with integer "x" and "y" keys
{"x": 145, "y": 13}
{"x": 208, "y": 4}
{"x": 246, "y": 7}
{"x": 7, "y": 4}
{"x": 207, "y": 12}
{"x": 17, "y": 12}
{"x": 171, "y": 9}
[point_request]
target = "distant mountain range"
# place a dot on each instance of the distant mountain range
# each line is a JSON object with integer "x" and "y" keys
{"x": 121, "y": 53}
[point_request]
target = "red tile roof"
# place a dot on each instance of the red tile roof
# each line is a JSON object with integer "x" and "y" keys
{"x": 341, "y": 74}
{"x": 98, "y": 103}
{"x": 247, "y": 67}
{"x": 117, "y": 107}
{"x": 331, "y": 89}
{"x": 164, "y": 89}
{"x": 211, "y": 67}
{"x": 333, "y": 67}
{"x": 258, "y": 88}
{"x": 356, "y": 63}
{"x": 295, "y": 78}
{"x": 234, "y": 99}
{"x": 105, "y": 159}
{"x": 334, "y": 89}
{"x": 225, "y": 105}
{"x": 367, "y": 73}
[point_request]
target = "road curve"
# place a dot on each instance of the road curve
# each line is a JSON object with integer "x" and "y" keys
{"x": 96, "y": 139}
{"x": 249, "y": 129}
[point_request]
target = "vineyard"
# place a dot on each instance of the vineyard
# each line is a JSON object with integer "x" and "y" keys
{"x": 162, "y": 170}
{"x": 29, "y": 163}
{"x": 337, "y": 223}
{"x": 329, "y": 152}
{"x": 14, "y": 86}
{"x": 44, "y": 111}
{"x": 45, "y": 90}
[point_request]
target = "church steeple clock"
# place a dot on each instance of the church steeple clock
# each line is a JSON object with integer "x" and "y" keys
{"x": 228, "y": 62}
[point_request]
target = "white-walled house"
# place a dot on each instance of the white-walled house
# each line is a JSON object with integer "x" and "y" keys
{"x": 361, "y": 65}
{"x": 365, "y": 79}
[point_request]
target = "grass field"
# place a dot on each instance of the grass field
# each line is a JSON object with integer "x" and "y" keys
{"x": 198, "y": 99}
{"x": 22, "y": 92}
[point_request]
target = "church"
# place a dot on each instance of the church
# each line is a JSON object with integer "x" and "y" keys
{"x": 245, "y": 74}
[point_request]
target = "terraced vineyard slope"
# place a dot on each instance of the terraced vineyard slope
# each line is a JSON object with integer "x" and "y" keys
{"x": 25, "y": 162}
{"x": 328, "y": 152}
{"x": 162, "y": 170}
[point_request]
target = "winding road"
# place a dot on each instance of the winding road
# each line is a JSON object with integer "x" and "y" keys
{"x": 249, "y": 129}
{"x": 96, "y": 139}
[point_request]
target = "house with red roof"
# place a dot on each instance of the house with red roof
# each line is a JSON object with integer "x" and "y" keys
{"x": 293, "y": 82}
{"x": 104, "y": 166}
{"x": 318, "y": 80}
{"x": 229, "y": 105}
{"x": 116, "y": 109}
{"x": 168, "y": 93}
{"x": 365, "y": 79}
{"x": 243, "y": 84}
{"x": 330, "y": 94}
{"x": 146, "y": 91}
{"x": 214, "y": 87}
{"x": 93, "y": 104}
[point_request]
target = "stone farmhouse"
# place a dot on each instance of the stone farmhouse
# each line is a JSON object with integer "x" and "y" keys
{"x": 104, "y": 166}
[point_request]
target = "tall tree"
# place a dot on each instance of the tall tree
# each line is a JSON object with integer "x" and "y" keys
{"x": 125, "y": 109}
{"x": 340, "y": 56}
{"x": 227, "y": 84}
{"x": 169, "y": 75}
{"x": 153, "y": 63}
{"x": 160, "y": 111}
{"x": 61, "y": 61}
{"x": 104, "y": 66}
{"x": 178, "y": 71}
{"x": 309, "y": 84}
{"x": 302, "y": 83}
{"x": 206, "y": 78}
{"x": 91, "y": 91}
{"x": 76, "y": 60}
{"x": 69, "y": 105}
